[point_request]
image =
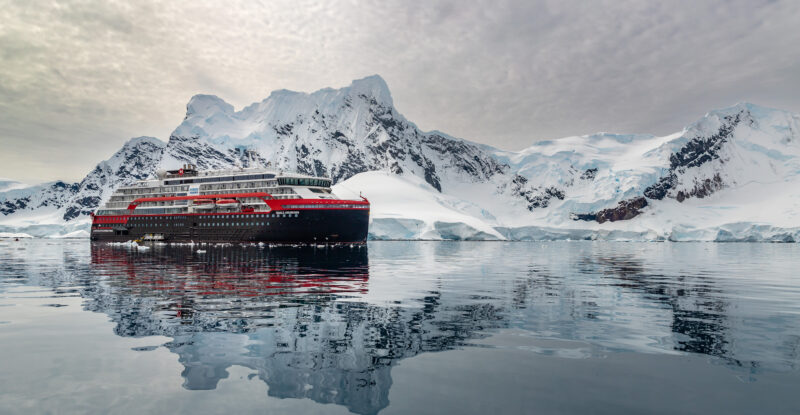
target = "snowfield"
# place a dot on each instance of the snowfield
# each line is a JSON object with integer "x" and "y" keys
{"x": 409, "y": 208}
{"x": 733, "y": 175}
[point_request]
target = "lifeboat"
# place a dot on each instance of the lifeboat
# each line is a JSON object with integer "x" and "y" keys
{"x": 203, "y": 204}
{"x": 227, "y": 202}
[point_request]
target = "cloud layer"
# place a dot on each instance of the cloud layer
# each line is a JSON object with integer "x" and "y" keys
{"x": 78, "y": 79}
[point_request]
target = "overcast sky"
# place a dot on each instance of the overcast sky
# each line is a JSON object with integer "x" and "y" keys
{"x": 78, "y": 79}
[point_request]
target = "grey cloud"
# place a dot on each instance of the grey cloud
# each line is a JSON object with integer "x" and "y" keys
{"x": 79, "y": 78}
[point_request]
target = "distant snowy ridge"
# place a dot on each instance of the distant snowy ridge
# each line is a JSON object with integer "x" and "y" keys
{"x": 62, "y": 209}
{"x": 733, "y": 175}
{"x": 11, "y": 235}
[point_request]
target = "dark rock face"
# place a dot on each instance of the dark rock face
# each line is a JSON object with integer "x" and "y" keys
{"x": 56, "y": 194}
{"x": 626, "y": 209}
{"x": 10, "y": 206}
{"x": 247, "y": 157}
{"x": 464, "y": 157}
{"x": 589, "y": 174}
{"x": 543, "y": 200}
{"x": 536, "y": 197}
{"x": 192, "y": 150}
{"x": 82, "y": 206}
{"x": 408, "y": 149}
{"x": 695, "y": 153}
{"x": 701, "y": 150}
{"x": 588, "y": 217}
{"x": 354, "y": 164}
{"x": 702, "y": 188}
{"x": 661, "y": 188}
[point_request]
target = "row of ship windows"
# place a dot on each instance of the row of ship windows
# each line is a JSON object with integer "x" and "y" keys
{"x": 221, "y": 179}
{"x": 239, "y": 216}
{"x": 105, "y": 212}
{"x": 251, "y": 200}
{"x": 148, "y": 190}
{"x": 155, "y": 193}
{"x": 207, "y": 224}
{"x": 303, "y": 181}
{"x": 206, "y": 191}
{"x": 248, "y": 185}
{"x": 108, "y": 212}
{"x": 203, "y": 224}
{"x": 324, "y": 206}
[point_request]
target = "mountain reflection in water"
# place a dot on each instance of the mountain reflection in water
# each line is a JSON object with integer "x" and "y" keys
{"x": 330, "y": 324}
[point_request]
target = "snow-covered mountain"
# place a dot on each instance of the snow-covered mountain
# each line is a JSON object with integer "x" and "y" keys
{"x": 60, "y": 208}
{"x": 733, "y": 175}
{"x": 336, "y": 133}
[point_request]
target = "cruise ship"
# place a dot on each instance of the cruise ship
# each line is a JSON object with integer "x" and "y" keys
{"x": 241, "y": 205}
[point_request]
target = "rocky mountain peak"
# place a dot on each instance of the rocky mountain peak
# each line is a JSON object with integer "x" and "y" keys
{"x": 374, "y": 87}
{"x": 202, "y": 105}
{"x": 144, "y": 140}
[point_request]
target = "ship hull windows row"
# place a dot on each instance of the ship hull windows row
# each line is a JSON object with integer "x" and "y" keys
{"x": 245, "y": 177}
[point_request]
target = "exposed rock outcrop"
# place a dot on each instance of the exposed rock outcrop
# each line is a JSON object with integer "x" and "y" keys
{"x": 625, "y": 210}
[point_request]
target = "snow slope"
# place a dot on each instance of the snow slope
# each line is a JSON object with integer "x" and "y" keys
{"x": 732, "y": 175}
{"x": 9, "y": 184}
{"x": 409, "y": 208}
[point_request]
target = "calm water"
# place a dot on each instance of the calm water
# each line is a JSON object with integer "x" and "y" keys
{"x": 400, "y": 327}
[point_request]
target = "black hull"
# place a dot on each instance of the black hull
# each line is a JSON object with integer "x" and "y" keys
{"x": 322, "y": 226}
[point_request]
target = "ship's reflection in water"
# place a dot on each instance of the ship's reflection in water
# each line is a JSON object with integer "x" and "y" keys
{"x": 291, "y": 314}
{"x": 280, "y": 311}
{"x": 330, "y": 325}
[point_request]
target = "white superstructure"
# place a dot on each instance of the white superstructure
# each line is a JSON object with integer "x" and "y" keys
{"x": 187, "y": 181}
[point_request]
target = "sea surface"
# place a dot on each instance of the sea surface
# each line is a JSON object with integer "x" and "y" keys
{"x": 400, "y": 328}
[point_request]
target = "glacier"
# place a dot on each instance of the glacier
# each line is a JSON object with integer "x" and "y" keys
{"x": 733, "y": 175}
